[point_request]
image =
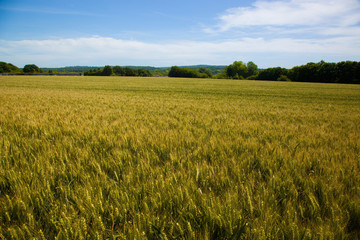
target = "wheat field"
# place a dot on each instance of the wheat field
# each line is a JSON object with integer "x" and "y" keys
{"x": 166, "y": 158}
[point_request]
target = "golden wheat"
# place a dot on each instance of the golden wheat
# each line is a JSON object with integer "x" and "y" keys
{"x": 160, "y": 158}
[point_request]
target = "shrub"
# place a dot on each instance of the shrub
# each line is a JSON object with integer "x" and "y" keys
{"x": 284, "y": 78}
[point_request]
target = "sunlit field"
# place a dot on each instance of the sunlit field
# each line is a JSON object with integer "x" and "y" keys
{"x": 166, "y": 158}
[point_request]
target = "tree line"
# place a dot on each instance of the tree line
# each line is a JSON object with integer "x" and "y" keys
{"x": 90, "y": 71}
{"x": 118, "y": 71}
{"x": 341, "y": 72}
{"x": 322, "y": 72}
{"x": 176, "y": 71}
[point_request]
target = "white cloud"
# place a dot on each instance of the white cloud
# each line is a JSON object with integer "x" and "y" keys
{"x": 293, "y": 13}
{"x": 295, "y": 29}
{"x": 102, "y": 51}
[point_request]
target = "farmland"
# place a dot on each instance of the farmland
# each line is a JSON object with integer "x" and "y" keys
{"x": 164, "y": 158}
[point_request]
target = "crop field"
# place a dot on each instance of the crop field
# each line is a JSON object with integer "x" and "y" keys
{"x": 166, "y": 158}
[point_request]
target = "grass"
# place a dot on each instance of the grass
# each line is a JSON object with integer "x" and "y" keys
{"x": 159, "y": 158}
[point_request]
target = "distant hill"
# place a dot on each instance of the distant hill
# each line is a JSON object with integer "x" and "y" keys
{"x": 206, "y": 66}
{"x": 71, "y": 69}
{"x": 214, "y": 69}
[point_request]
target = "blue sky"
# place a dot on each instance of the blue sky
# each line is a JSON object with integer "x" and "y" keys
{"x": 164, "y": 33}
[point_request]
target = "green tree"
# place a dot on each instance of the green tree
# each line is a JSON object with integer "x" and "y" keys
{"x": 305, "y": 73}
{"x": 119, "y": 71}
{"x": 348, "y": 72}
{"x": 143, "y": 73}
{"x": 252, "y": 69}
{"x": 8, "y": 68}
{"x": 272, "y": 74}
{"x": 107, "y": 71}
{"x": 237, "y": 70}
{"x": 205, "y": 71}
{"x": 176, "y": 71}
{"x": 31, "y": 68}
{"x": 129, "y": 72}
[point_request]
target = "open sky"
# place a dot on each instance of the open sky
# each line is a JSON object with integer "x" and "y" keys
{"x": 270, "y": 33}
